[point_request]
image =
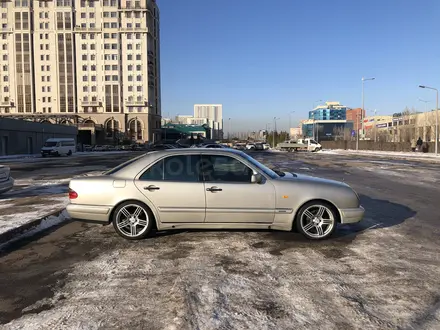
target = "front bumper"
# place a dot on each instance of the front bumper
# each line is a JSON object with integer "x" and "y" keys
{"x": 6, "y": 185}
{"x": 352, "y": 215}
{"x": 89, "y": 213}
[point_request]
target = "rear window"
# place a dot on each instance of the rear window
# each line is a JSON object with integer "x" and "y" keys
{"x": 119, "y": 167}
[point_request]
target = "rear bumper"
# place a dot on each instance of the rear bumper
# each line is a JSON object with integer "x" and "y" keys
{"x": 6, "y": 185}
{"x": 89, "y": 213}
{"x": 352, "y": 215}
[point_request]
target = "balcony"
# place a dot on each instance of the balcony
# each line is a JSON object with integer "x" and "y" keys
{"x": 90, "y": 125}
{"x": 136, "y": 103}
{"x": 6, "y": 104}
{"x": 135, "y": 8}
{"x": 87, "y": 29}
{"x": 91, "y": 103}
{"x": 134, "y": 29}
{"x": 6, "y": 29}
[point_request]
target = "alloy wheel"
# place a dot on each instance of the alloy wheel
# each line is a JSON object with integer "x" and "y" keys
{"x": 317, "y": 221}
{"x": 132, "y": 220}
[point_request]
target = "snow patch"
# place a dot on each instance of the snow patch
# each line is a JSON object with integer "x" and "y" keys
{"x": 46, "y": 223}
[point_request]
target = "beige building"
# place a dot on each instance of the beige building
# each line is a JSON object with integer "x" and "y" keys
{"x": 96, "y": 63}
{"x": 402, "y": 128}
{"x": 213, "y": 112}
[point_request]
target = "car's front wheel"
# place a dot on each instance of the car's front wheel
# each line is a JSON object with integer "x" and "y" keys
{"x": 316, "y": 220}
{"x": 132, "y": 220}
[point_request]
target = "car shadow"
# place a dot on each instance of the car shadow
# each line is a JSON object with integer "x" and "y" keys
{"x": 379, "y": 214}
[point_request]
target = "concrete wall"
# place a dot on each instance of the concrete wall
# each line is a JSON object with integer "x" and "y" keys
{"x": 371, "y": 145}
{"x": 26, "y": 137}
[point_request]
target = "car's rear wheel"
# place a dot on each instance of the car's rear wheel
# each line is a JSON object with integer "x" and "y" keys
{"x": 132, "y": 220}
{"x": 316, "y": 220}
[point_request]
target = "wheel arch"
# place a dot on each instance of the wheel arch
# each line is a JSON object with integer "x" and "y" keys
{"x": 112, "y": 212}
{"x": 319, "y": 200}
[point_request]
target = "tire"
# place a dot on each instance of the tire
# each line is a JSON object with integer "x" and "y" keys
{"x": 313, "y": 226}
{"x": 69, "y": 153}
{"x": 132, "y": 228}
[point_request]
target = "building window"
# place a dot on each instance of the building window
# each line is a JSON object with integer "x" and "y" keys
{"x": 85, "y": 89}
{"x": 85, "y": 78}
{"x": 139, "y": 88}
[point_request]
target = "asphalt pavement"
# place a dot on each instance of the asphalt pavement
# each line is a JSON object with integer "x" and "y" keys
{"x": 382, "y": 273}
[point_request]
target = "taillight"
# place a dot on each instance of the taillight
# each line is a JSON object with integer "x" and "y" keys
{"x": 72, "y": 194}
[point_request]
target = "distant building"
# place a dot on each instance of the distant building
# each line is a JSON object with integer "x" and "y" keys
{"x": 355, "y": 115}
{"x": 322, "y": 130}
{"x": 213, "y": 112}
{"x": 296, "y": 132}
{"x": 329, "y": 111}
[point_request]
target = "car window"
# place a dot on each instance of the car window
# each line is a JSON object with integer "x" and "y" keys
{"x": 182, "y": 168}
{"x": 225, "y": 169}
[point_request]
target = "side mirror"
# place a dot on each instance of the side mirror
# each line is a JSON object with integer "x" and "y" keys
{"x": 257, "y": 178}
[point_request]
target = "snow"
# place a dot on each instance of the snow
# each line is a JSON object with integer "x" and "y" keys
{"x": 238, "y": 280}
{"x": 37, "y": 157}
{"x": 46, "y": 223}
{"x": 19, "y": 215}
{"x": 388, "y": 154}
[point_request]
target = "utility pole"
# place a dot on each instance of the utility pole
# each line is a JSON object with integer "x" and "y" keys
{"x": 362, "y": 113}
{"x": 436, "y": 117}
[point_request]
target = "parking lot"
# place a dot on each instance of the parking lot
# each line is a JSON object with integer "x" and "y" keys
{"x": 382, "y": 273}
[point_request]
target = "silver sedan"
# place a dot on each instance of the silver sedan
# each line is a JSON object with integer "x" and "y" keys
{"x": 210, "y": 189}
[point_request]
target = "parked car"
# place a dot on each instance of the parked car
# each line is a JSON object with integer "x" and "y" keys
{"x": 213, "y": 146}
{"x": 210, "y": 189}
{"x": 157, "y": 147}
{"x": 58, "y": 147}
{"x": 6, "y": 181}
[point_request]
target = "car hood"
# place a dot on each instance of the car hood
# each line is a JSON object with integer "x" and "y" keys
{"x": 310, "y": 179}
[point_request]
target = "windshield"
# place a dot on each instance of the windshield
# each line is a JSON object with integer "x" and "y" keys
{"x": 50, "y": 144}
{"x": 260, "y": 166}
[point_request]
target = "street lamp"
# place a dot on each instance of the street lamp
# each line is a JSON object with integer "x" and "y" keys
{"x": 362, "y": 113}
{"x": 436, "y": 117}
{"x": 426, "y": 103}
{"x": 229, "y": 129}
{"x": 275, "y": 128}
{"x": 290, "y": 122}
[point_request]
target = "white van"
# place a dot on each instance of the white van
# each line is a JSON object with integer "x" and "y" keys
{"x": 58, "y": 147}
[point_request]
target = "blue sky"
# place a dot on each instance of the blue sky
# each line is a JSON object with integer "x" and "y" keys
{"x": 262, "y": 59}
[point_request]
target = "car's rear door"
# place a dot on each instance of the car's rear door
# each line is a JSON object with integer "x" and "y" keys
{"x": 230, "y": 195}
{"x": 175, "y": 187}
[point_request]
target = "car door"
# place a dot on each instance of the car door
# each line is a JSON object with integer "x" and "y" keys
{"x": 230, "y": 195}
{"x": 175, "y": 187}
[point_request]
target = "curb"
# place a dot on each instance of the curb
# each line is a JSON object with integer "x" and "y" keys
{"x": 27, "y": 227}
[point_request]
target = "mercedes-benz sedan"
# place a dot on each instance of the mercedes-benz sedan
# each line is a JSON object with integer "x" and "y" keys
{"x": 210, "y": 189}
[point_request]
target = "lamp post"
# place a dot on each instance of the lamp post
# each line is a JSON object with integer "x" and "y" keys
{"x": 362, "y": 113}
{"x": 267, "y": 129}
{"x": 229, "y": 129}
{"x": 275, "y": 128}
{"x": 436, "y": 117}
{"x": 426, "y": 103}
{"x": 375, "y": 128}
{"x": 290, "y": 122}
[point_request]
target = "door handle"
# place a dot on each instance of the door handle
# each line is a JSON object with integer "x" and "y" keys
{"x": 152, "y": 187}
{"x": 214, "y": 189}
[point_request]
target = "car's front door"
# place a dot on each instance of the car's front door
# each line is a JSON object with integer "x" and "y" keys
{"x": 174, "y": 186}
{"x": 230, "y": 195}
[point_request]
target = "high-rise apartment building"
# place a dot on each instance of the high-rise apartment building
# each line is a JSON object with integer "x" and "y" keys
{"x": 213, "y": 112}
{"x": 94, "y": 61}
